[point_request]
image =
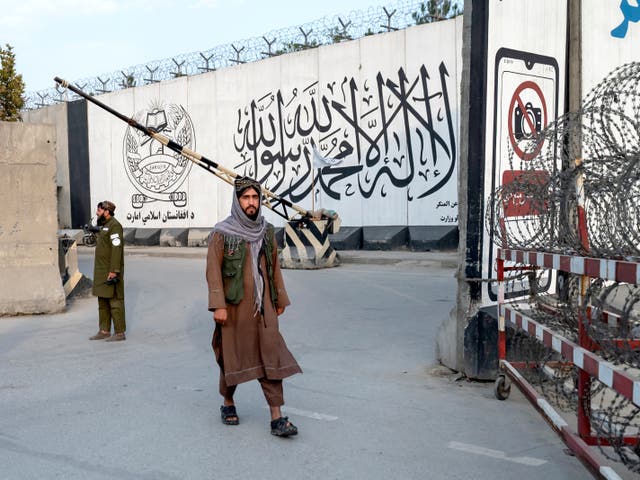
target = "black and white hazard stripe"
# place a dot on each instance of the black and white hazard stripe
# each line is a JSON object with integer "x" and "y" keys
{"x": 307, "y": 245}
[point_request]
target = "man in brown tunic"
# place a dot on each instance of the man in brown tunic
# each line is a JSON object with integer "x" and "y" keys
{"x": 246, "y": 296}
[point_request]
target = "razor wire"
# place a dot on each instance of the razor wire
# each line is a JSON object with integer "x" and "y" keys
{"x": 324, "y": 31}
{"x": 589, "y": 162}
{"x": 610, "y": 314}
{"x": 579, "y": 196}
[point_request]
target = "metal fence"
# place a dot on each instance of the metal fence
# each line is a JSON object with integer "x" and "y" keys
{"x": 578, "y": 198}
{"x": 580, "y": 192}
{"x": 328, "y": 30}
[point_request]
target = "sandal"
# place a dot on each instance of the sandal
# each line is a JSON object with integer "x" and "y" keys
{"x": 282, "y": 427}
{"x": 229, "y": 415}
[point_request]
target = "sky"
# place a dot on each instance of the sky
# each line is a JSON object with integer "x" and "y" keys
{"x": 78, "y": 39}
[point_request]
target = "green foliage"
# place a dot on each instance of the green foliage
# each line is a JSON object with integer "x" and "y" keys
{"x": 339, "y": 34}
{"x": 370, "y": 32}
{"x": 296, "y": 47}
{"x": 11, "y": 86}
{"x": 436, "y": 10}
{"x": 129, "y": 81}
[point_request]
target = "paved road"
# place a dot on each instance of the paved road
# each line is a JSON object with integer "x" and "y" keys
{"x": 372, "y": 402}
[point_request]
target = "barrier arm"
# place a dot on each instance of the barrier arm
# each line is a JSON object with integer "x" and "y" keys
{"x": 270, "y": 199}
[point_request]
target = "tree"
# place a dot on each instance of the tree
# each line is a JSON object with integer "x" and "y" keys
{"x": 129, "y": 81}
{"x": 436, "y": 10}
{"x": 340, "y": 33}
{"x": 290, "y": 47}
{"x": 11, "y": 86}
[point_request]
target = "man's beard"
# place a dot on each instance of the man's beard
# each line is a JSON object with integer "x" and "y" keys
{"x": 252, "y": 216}
{"x": 101, "y": 220}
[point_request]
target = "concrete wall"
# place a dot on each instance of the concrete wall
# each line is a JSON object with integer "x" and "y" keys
{"x": 57, "y": 115}
{"x": 514, "y": 54}
{"x": 522, "y": 46}
{"x": 381, "y": 112}
{"x": 609, "y": 39}
{"x": 30, "y": 277}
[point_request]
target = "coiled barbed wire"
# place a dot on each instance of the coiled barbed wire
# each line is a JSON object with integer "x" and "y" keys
{"x": 610, "y": 314}
{"x": 331, "y": 29}
{"x": 579, "y": 195}
{"x": 589, "y": 158}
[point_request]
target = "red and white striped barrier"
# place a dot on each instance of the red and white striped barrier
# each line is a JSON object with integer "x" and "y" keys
{"x": 612, "y": 376}
{"x": 588, "y": 363}
{"x": 575, "y": 443}
{"x": 616, "y": 270}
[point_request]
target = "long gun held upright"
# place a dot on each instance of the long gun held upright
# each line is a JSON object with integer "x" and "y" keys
{"x": 270, "y": 199}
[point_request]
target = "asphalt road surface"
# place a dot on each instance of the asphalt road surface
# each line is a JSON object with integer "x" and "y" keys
{"x": 372, "y": 402}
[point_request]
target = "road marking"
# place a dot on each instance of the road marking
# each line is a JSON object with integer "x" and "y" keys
{"x": 308, "y": 414}
{"x": 465, "y": 447}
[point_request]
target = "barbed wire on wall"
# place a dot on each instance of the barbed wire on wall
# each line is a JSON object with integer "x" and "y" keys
{"x": 325, "y": 31}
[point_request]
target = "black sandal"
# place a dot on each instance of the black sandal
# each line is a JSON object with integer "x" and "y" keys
{"x": 229, "y": 415}
{"x": 282, "y": 427}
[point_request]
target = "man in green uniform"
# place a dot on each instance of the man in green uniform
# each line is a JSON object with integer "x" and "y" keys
{"x": 108, "y": 274}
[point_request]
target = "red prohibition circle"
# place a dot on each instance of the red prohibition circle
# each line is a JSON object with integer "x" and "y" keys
{"x": 516, "y": 99}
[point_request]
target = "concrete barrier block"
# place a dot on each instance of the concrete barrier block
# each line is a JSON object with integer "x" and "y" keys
{"x": 307, "y": 258}
{"x": 68, "y": 258}
{"x": 31, "y": 289}
{"x": 147, "y": 237}
{"x": 30, "y": 281}
{"x": 174, "y": 237}
{"x": 198, "y": 237}
{"x": 437, "y": 237}
{"x": 307, "y": 246}
{"x": 385, "y": 238}
{"x": 347, "y": 238}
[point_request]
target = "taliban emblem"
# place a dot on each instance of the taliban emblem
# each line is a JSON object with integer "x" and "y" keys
{"x": 156, "y": 171}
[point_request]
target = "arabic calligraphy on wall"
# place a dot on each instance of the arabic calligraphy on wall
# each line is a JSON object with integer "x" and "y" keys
{"x": 141, "y": 215}
{"x": 345, "y": 139}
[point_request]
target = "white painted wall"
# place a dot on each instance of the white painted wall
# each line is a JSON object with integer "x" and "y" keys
{"x": 606, "y": 45}
{"x": 526, "y": 62}
{"x": 360, "y": 104}
{"x": 602, "y": 52}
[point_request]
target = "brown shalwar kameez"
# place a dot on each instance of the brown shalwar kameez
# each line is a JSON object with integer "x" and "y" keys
{"x": 249, "y": 345}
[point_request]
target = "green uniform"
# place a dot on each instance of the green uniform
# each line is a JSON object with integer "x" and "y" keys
{"x": 110, "y": 258}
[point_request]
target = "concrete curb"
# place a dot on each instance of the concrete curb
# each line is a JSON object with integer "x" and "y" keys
{"x": 400, "y": 258}
{"x": 384, "y": 238}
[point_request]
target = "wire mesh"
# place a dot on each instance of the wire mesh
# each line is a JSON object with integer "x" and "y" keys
{"x": 610, "y": 312}
{"x": 331, "y": 29}
{"x": 579, "y": 195}
{"x": 589, "y": 162}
